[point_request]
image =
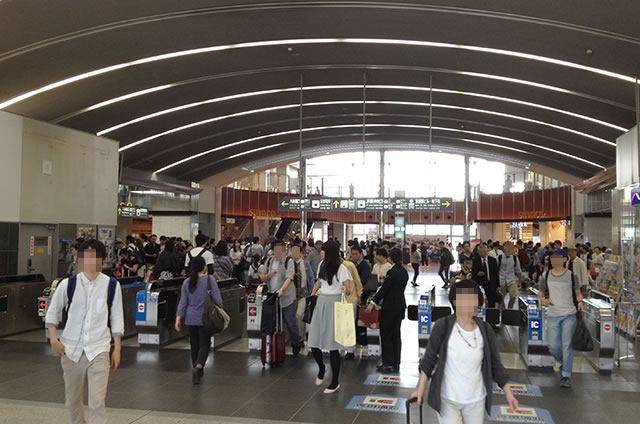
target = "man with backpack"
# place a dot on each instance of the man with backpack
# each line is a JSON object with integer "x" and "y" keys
{"x": 303, "y": 281}
{"x": 278, "y": 273}
{"x": 560, "y": 292}
{"x": 446, "y": 260}
{"x": 510, "y": 273}
{"x": 200, "y": 250}
{"x": 91, "y": 302}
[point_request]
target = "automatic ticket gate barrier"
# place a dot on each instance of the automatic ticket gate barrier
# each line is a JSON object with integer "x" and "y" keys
{"x": 600, "y": 320}
{"x": 534, "y": 345}
{"x": 254, "y": 317}
{"x": 156, "y": 308}
{"x": 426, "y": 314}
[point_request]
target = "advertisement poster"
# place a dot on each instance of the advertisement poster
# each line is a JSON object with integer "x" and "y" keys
{"x": 107, "y": 236}
{"x": 86, "y": 231}
{"x": 524, "y": 414}
{"x": 377, "y": 403}
{"x": 610, "y": 279}
{"x": 530, "y": 390}
{"x": 391, "y": 380}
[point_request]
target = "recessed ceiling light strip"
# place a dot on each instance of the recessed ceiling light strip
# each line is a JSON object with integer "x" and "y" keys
{"x": 269, "y": 43}
{"x": 346, "y": 87}
{"x": 329, "y": 103}
{"x": 262, "y": 137}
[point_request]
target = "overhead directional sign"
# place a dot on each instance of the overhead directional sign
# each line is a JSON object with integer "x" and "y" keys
{"x": 391, "y": 204}
{"x": 133, "y": 212}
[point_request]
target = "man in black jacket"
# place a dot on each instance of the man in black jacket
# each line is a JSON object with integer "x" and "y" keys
{"x": 446, "y": 260}
{"x": 485, "y": 273}
{"x": 393, "y": 311}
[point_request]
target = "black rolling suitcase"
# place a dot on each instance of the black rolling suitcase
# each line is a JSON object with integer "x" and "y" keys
{"x": 408, "y": 404}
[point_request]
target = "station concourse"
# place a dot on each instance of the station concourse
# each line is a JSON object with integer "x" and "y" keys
{"x": 160, "y": 154}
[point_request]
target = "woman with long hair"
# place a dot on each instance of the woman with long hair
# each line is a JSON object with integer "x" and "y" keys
{"x": 334, "y": 281}
{"x": 167, "y": 265}
{"x": 462, "y": 361}
{"x": 222, "y": 265}
{"x": 195, "y": 291}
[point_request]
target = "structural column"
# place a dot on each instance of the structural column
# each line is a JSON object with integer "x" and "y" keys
{"x": 302, "y": 184}
{"x": 467, "y": 199}
{"x": 381, "y": 193}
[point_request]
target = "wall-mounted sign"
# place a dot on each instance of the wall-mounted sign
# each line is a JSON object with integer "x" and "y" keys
{"x": 518, "y": 225}
{"x": 635, "y": 197}
{"x": 133, "y": 212}
{"x": 428, "y": 204}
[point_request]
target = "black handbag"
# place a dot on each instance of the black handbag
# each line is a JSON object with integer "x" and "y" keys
{"x": 308, "y": 312}
{"x": 582, "y": 340}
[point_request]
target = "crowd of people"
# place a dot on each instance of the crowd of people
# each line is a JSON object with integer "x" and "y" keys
{"x": 369, "y": 275}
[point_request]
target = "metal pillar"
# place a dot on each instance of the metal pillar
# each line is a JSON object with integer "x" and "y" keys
{"x": 381, "y": 228}
{"x": 302, "y": 170}
{"x": 467, "y": 198}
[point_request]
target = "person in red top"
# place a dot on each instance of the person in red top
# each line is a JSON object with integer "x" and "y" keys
{"x": 523, "y": 257}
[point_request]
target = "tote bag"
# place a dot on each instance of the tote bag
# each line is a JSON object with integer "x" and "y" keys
{"x": 214, "y": 319}
{"x": 344, "y": 323}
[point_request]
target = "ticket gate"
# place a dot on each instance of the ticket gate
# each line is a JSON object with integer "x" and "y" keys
{"x": 156, "y": 307}
{"x": 129, "y": 287}
{"x": 426, "y": 314}
{"x": 600, "y": 320}
{"x": 17, "y": 311}
{"x": 534, "y": 346}
{"x": 254, "y": 317}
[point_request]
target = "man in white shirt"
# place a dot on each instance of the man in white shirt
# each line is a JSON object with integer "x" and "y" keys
{"x": 200, "y": 250}
{"x": 93, "y": 303}
{"x": 579, "y": 268}
{"x": 495, "y": 250}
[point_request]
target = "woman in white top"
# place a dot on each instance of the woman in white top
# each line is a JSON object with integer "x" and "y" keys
{"x": 236, "y": 254}
{"x": 334, "y": 280}
{"x": 462, "y": 360}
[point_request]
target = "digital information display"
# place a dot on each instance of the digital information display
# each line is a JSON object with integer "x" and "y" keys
{"x": 423, "y": 204}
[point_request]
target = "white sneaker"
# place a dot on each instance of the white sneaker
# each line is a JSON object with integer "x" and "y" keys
{"x": 329, "y": 391}
{"x": 557, "y": 366}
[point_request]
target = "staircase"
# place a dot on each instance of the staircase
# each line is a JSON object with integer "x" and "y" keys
{"x": 239, "y": 228}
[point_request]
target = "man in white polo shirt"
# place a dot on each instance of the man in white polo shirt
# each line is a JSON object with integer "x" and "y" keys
{"x": 93, "y": 305}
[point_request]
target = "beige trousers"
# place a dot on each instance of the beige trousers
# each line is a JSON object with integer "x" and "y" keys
{"x": 302, "y": 326}
{"x": 96, "y": 373}
{"x": 513, "y": 294}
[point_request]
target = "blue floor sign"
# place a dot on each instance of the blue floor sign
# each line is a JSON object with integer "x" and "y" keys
{"x": 392, "y": 380}
{"x": 524, "y": 414}
{"x": 377, "y": 403}
{"x": 529, "y": 390}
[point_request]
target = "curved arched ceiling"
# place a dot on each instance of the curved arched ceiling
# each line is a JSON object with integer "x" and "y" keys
{"x": 191, "y": 89}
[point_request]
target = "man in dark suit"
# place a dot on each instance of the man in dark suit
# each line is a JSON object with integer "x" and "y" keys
{"x": 393, "y": 311}
{"x": 485, "y": 273}
{"x": 364, "y": 271}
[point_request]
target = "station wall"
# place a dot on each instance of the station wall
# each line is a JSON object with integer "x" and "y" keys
{"x": 55, "y": 175}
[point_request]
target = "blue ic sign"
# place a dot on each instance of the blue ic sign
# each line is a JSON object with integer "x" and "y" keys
{"x": 535, "y": 329}
{"x": 425, "y": 323}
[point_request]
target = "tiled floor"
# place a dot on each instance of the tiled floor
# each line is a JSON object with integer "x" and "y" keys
{"x": 155, "y": 386}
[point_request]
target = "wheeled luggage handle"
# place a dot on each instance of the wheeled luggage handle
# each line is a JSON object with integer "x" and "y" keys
{"x": 408, "y": 405}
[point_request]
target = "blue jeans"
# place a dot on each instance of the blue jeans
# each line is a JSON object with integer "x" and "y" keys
{"x": 561, "y": 331}
{"x": 289, "y": 317}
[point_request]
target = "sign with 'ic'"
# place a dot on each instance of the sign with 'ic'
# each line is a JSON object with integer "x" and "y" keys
{"x": 377, "y": 403}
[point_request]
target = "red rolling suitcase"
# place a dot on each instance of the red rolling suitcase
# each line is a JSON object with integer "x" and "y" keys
{"x": 272, "y": 351}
